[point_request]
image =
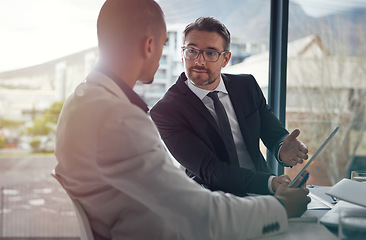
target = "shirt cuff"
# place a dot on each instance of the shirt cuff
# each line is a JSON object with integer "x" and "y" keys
{"x": 279, "y": 158}
{"x": 270, "y": 184}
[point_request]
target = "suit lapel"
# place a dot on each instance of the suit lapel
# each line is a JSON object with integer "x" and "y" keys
{"x": 194, "y": 102}
{"x": 239, "y": 105}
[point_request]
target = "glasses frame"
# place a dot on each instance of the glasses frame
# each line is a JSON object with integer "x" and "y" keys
{"x": 201, "y": 52}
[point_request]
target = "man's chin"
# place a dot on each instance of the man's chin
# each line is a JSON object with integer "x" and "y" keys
{"x": 149, "y": 81}
{"x": 201, "y": 82}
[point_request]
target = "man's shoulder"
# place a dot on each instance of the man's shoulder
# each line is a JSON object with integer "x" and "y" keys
{"x": 240, "y": 80}
{"x": 170, "y": 99}
{"x": 174, "y": 92}
{"x": 236, "y": 77}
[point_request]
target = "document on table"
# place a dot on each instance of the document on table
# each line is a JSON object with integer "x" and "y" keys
{"x": 299, "y": 230}
{"x": 331, "y": 218}
{"x": 320, "y": 200}
{"x": 349, "y": 191}
{"x": 318, "y": 203}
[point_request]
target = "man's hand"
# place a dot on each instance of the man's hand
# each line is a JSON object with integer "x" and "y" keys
{"x": 294, "y": 199}
{"x": 293, "y": 151}
{"x": 277, "y": 181}
{"x": 300, "y": 179}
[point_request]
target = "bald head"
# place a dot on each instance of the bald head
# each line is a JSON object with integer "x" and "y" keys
{"x": 123, "y": 23}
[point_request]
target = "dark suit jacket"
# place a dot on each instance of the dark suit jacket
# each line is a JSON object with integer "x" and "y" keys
{"x": 192, "y": 135}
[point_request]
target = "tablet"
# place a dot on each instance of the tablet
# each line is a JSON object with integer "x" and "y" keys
{"x": 314, "y": 156}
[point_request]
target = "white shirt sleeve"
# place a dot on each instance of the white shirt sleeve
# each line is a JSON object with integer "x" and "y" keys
{"x": 270, "y": 184}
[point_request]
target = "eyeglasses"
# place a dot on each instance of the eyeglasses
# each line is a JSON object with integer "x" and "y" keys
{"x": 208, "y": 55}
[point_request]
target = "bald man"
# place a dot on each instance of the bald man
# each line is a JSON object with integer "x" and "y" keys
{"x": 111, "y": 159}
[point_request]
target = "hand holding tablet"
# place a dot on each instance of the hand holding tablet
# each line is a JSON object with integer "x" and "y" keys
{"x": 313, "y": 157}
{"x": 303, "y": 180}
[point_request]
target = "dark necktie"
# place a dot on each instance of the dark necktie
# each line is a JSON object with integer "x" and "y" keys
{"x": 224, "y": 127}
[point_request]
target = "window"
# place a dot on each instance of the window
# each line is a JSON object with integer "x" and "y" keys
{"x": 326, "y": 83}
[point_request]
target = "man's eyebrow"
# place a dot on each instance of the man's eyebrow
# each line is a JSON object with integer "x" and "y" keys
{"x": 212, "y": 48}
{"x": 208, "y": 48}
{"x": 191, "y": 45}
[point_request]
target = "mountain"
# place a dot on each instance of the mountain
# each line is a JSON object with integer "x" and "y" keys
{"x": 245, "y": 19}
{"x": 249, "y": 20}
{"x": 344, "y": 33}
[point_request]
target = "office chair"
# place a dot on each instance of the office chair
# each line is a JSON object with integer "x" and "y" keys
{"x": 82, "y": 219}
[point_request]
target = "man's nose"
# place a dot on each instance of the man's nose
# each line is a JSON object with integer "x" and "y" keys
{"x": 200, "y": 59}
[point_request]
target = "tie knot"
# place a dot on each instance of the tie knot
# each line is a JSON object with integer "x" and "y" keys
{"x": 213, "y": 95}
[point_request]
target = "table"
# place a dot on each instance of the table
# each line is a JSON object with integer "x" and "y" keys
{"x": 315, "y": 209}
{"x": 308, "y": 226}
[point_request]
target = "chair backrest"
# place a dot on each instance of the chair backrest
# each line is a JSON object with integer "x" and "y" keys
{"x": 83, "y": 221}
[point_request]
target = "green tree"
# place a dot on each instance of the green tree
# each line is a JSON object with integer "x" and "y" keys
{"x": 40, "y": 127}
{"x": 2, "y": 142}
{"x": 4, "y": 123}
{"x": 35, "y": 143}
{"x": 43, "y": 125}
{"x": 52, "y": 114}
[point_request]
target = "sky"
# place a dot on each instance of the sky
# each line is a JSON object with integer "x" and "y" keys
{"x": 37, "y": 31}
{"x": 318, "y": 8}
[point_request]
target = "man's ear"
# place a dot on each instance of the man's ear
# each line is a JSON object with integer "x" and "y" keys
{"x": 148, "y": 46}
{"x": 227, "y": 57}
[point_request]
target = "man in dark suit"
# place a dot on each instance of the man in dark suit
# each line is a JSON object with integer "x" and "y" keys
{"x": 192, "y": 125}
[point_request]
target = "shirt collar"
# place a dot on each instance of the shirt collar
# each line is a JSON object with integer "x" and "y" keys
{"x": 131, "y": 95}
{"x": 201, "y": 93}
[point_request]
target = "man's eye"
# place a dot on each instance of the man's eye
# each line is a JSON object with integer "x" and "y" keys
{"x": 210, "y": 53}
{"x": 192, "y": 51}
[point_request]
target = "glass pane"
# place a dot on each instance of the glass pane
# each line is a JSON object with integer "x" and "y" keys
{"x": 248, "y": 23}
{"x": 47, "y": 48}
{"x": 46, "y": 54}
{"x": 326, "y": 82}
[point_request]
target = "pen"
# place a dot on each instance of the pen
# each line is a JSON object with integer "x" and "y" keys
{"x": 303, "y": 180}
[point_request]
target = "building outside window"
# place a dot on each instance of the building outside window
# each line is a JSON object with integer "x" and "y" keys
{"x": 326, "y": 83}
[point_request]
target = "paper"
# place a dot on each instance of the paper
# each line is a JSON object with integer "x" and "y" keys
{"x": 331, "y": 218}
{"x": 318, "y": 203}
{"x": 350, "y": 191}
